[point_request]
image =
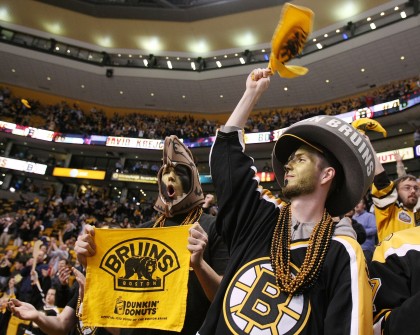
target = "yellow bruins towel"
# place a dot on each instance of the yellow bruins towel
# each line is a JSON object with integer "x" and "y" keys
{"x": 289, "y": 39}
{"x": 138, "y": 279}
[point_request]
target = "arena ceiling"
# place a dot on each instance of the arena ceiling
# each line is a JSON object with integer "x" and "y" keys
{"x": 218, "y": 27}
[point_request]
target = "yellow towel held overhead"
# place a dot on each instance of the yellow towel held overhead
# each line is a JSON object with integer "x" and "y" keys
{"x": 365, "y": 124}
{"x": 289, "y": 38}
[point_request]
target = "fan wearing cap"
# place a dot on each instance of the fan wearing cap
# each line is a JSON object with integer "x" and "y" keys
{"x": 292, "y": 270}
{"x": 179, "y": 203}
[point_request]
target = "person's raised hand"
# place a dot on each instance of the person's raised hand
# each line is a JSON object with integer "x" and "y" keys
{"x": 85, "y": 245}
{"x": 398, "y": 157}
{"x": 197, "y": 242}
{"x": 22, "y": 310}
{"x": 259, "y": 79}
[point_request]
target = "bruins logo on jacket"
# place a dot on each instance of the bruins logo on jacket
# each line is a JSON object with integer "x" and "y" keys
{"x": 254, "y": 303}
{"x": 140, "y": 264}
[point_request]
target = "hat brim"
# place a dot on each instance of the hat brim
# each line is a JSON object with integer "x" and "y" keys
{"x": 345, "y": 143}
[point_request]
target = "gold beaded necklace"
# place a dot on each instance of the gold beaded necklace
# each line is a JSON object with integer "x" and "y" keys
{"x": 193, "y": 216}
{"x": 81, "y": 329}
{"x": 316, "y": 251}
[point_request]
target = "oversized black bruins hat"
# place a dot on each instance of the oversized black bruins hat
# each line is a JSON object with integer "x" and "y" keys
{"x": 352, "y": 156}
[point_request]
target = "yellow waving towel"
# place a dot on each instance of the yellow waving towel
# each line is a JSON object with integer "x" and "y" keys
{"x": 289, "y": 38}
{"x": 364, "y": 124}
{"x": 25, "y": 103}
{"x": 134, "y": 276}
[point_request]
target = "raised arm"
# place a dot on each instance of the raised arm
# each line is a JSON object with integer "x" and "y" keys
{"x": 399, "y": 164}
{"x": 51, "y": 325}
{"x": 257, "y": 82}
{"x": 208, "y": 278}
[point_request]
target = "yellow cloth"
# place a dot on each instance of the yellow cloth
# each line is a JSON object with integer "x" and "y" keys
{"x": 25, "y": 102}
{"x": 289, "y": 38}
{"x": 13, "y": 326}
{"x": 138, "y": 278}
{"x": 364, "y": 124}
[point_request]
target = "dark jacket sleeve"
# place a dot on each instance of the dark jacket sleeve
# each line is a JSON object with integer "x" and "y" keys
{"x": 239, "y": 195}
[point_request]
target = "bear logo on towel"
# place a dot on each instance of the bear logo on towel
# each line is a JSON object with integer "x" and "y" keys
{"x": 140, "y": 264}
{"x": 144, "y": 267}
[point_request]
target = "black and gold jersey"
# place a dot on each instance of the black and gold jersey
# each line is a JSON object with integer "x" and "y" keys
{"x": 395, "y": 277}
{"x": 249, "y": 301}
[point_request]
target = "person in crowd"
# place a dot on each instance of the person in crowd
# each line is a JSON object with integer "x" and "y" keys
{"x": 57, "y": 252}
{"x": 395, "y": 201}
{"x": 180, "y": 202}
{"x": 291, "y": 269}
{"x": 395, "y": 277}
{"x": 416, "y": 136}
{"x": 6, "y": 263}
{"x": 368, "y": 222}
{"x": 54, "y": 274}
{"x": 11, "y": 292}
{"x": 61, "y": 323}
{"x": 209, "y": 206}
{"x": 401, "y": 172}
{"x": 358, "y": 228}
{"x": 44, "y": 305}
{"x": 8, "y": 226}
{"x": 25, "y": 284}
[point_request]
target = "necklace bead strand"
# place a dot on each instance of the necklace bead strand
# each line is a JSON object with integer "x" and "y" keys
{"x": 318, "y": 245}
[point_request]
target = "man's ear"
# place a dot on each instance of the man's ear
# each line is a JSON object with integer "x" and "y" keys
{"x": 327, "y": 174}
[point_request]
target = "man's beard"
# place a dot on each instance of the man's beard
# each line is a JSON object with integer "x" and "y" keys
{"x": 299, "y": 187}
{"x": 410, "y": 203}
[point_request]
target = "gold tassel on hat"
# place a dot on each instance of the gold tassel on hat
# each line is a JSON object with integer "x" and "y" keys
{"x": 288, "y": 40}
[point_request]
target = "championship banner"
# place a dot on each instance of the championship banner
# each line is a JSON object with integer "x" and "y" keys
{"x": 138, "y": 278}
